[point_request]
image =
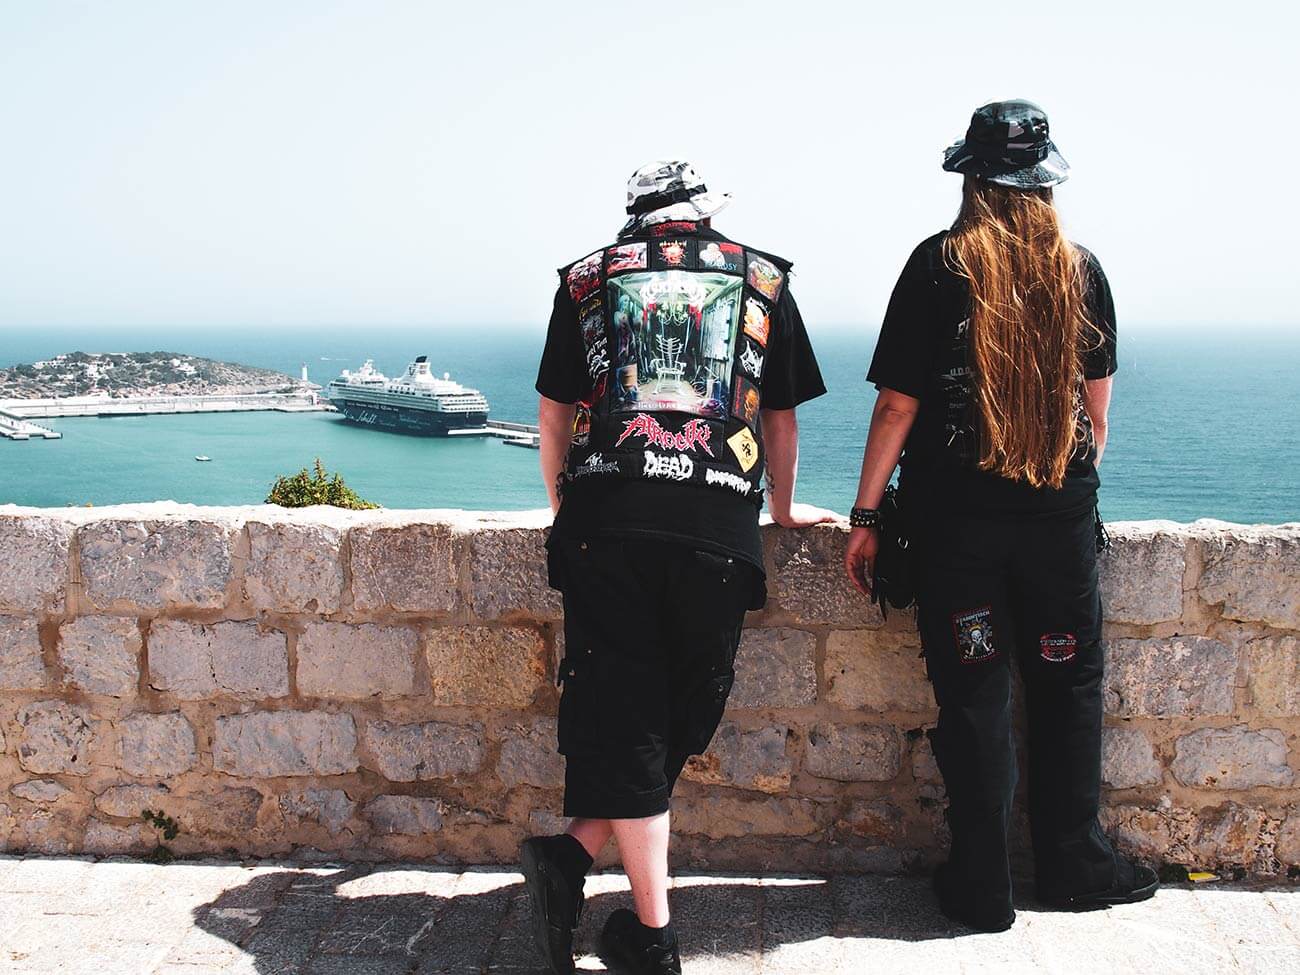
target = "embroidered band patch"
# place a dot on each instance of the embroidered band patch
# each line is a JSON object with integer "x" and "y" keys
{"x": 1057, "y": 648}
{"x": 973, "y": 630}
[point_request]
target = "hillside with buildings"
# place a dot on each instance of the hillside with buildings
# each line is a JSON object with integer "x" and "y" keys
{"x": 122, "y": 374}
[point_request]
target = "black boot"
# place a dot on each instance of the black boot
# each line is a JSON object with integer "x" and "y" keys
{"x": 555, "y": 870}
{"x": 1133, "y": 882}
{"x": 966, "y": 907}
{"x": 630, "y": 948}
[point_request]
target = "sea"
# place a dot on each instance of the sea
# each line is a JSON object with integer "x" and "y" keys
{"x": 1203, "y": 424}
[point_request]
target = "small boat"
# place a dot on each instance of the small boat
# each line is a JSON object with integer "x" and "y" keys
{"x": 202, "y": 457}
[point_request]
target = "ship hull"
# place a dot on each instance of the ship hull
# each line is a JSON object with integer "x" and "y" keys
{"x": 419, "y": 423}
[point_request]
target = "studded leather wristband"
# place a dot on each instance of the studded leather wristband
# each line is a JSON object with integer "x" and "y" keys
{"x": 865, "y": 517}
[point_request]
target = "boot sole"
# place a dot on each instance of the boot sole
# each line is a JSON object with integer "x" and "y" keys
{"x": 537, "y": 883}
{"x": 1091, "y": 901}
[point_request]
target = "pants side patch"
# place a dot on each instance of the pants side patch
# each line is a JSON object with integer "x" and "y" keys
{"x": 973, "y": 631}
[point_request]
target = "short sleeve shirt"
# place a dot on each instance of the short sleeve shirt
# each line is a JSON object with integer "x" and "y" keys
{"x": 922, "y": 352}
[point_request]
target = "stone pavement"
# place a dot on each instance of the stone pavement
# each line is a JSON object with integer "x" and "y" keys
{"x": 124, "y": 917}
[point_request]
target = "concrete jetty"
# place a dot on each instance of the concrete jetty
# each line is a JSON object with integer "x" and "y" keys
{"x": 514, "y": 434}
{"x": 16, "y": 428}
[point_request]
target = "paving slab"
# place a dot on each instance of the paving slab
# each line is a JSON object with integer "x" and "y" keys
{"x": 76, "y": 916}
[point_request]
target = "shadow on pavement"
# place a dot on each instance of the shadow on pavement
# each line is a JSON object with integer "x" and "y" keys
{"x": 365, "y": 920}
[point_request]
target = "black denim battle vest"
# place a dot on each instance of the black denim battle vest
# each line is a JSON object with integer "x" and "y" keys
{"x": 675, "y": 323}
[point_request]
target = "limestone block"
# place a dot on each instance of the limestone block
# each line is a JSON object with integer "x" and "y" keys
{"x": 810, "y": 582}
{"x": 853, "y": 753}
{"x": 429, "y": 750}
{"x": 344, "y": 661}
{"x": 330, "y": 808}
{"x": 407, "y": 569}
{"x": 156, "y": 744}
{"x": 100, "y": 654}
{"x": 130, "y": 801}
{"x": 1255, "y": 573}
{"x": 925, "y": 769}
{"x": 1142, "y": 574}
{"x": 1128, "y": 759}
{"x": 55, "y": 737}
{"x": 156, "y": 564}
{"x": 878, "y": 670}
{"x": 294, "y": 568}
{"x": 529, "y": 756}
{"x": 404, "y": 815}
{"x": 478, "y": 666}
{"x": 1232, "y": 758}
{"x": 21, "y": 666}
{"x": 507, "y": 574}
{"x": 1230, "y": 834}
{"x": 725, "y": 817}
{"x": 1181, "y": 675}
{"x": 216, "y": 811}
{"x": 34, "y": 553}
{"x": 1273, "y": 675}
{"x": 265, "y": 744}
{"x": 105, "y": 840}
{"x": 875, "y": 820}
{"x": 1288, "y": 839}
{"x": 775, "y": 669}
{"x": 40, "y": 790}
{"x": 195, "y": 661}
{"x": 754, "y": 760}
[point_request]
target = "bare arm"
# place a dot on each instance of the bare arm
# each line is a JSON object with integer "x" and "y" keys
{"x": 555, "y": 420}
{"x": 891, "y": 421}
{"x": 781, "y": 441}
{"x": 1096, "y": 400}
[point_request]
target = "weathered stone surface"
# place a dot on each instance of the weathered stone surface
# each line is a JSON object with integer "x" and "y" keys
{"x": 21, "y": 666}
{"x": 878, "y": 670}
{"x": 1273, "y": 675}
{"x": 1226, "y": 835}
{"x": 106, "y": 840}
{"x": 430, "y": 750}
{"x": 1232, "y": 758}
{"x": 404, "y": 815}
{"x": 43, "y": 831}
{"x": 925, "y": 769}
{"x": 410, "y": 568}
{"x": 529, "y": 756}
{"x": 153, "y": 564}
{"x": 272, "y": 743}
{"x": 775, "y": 668}
{"x": 1142, "y": 574}
{"x": 40, "y": 790}
{"x": 507, "y": 573}
{"x": 810, "y": 582}
{"x": 55, "y": 737}
{"x": 1288, "y": 839}
{"x": 194, "y": 661}
{"x": 723, "y": 817}
{"x": 130, "y": 801}
{"x": 478, "y": 666}
{"x": 294, "y": 568}
{"x": 746, "y": 759}
{"x": 341, "y": 660}
{"x": 100, "y": 654}
{"x": 1254, "y": 573}
{"x": 34, "y": 554}
{"x": 876, "y": 820}
{"x": 330, "y": 807}
{"x": 853, "y": 753}
{"x": 221, "y": 812}
{"x": 157, "y": 744}
{"x": 1127, "y": 759}
{"x": 1182, "y": 675}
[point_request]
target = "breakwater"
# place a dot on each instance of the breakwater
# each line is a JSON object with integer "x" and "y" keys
{"x": 381, "y": 684}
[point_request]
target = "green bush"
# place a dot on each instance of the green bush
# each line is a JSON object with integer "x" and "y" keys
{"x": 315, "y": 487}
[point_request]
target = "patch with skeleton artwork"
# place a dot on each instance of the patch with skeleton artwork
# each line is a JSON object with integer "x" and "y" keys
{"x": 973, "y": 630}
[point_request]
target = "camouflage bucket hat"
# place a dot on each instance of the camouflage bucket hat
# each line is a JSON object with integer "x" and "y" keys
{"x": 669, "y": 190}
{"x": 1007, "y": 143}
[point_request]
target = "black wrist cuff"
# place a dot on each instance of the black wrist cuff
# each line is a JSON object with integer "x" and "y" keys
{"x": 865, "y": 517}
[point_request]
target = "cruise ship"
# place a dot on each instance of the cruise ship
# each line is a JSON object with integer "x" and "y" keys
{"x": 418, "y": 402}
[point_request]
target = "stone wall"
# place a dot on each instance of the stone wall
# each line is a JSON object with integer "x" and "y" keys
{"x": 379, "y": 684}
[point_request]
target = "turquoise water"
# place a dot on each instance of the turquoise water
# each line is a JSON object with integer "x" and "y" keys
{"x": 1202, "y": 426}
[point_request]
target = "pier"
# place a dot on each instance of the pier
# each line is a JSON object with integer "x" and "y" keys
{"x": 304, "y": 401}
{"x": 16, "y": 428}
{"x": 514, "y": 434}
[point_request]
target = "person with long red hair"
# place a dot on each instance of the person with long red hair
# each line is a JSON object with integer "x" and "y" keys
{"x": 994, "y": 368}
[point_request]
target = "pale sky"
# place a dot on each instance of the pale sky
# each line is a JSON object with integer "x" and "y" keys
{"x": 292, "y": 164}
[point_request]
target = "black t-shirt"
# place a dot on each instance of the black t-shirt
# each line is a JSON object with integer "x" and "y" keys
{"x": 923, "y": 352}
{"x": 703, "y": 517}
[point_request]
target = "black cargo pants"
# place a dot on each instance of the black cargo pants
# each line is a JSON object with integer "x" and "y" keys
{"x": 650, "y": 636}
{"x": 989, "y": 591}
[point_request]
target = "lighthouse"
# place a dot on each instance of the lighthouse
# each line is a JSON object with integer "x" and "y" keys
{"x": 304, "y": 374}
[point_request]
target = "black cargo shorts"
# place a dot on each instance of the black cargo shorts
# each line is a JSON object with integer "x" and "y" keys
{"x": 650, "y": 636}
